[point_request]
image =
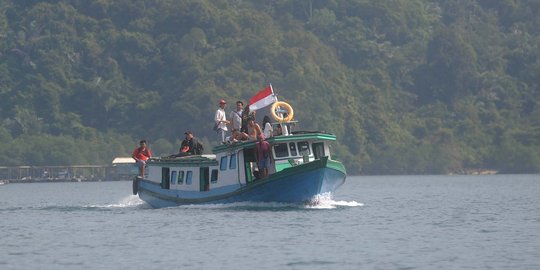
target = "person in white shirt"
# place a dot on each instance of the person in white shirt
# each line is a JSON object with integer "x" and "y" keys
{"x": 221, "y": 120}
{"x": 268, "y": 131}
{"x": 236, "y": 116}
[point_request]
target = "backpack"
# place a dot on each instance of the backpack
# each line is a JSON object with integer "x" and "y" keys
{"x": 199, "y": 148}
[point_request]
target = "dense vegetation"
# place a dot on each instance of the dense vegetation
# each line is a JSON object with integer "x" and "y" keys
{"x": 408, "y": 86}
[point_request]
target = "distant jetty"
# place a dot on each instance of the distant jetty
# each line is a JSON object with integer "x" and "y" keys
{"x": 471, "y": 171}
{"x": 120, "y": 169}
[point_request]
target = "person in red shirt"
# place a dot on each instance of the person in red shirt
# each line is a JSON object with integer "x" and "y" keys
{"x": 141, "y": 154}
{"x": 262, "y": 154}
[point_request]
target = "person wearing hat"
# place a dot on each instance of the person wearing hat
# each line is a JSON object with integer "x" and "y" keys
{"x": 190, "y": 146}
{"x": 221, "y": 120}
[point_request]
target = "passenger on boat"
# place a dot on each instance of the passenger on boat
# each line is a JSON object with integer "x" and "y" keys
{"x": 141, "y": 154}
{"x": 262, "y": 153}
{"x": 254, "y": 130}
{"x": 237, "y": 136}
{"x": 245, "y": 118}
{"x": 268, "y": 131}
{"x": 221, "y": 120}
{"x": 279, "y": 130}
{"x": 236, "y": 116}
{"x": 190, "y": 145}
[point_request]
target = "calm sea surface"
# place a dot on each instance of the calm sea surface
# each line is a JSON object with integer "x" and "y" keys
{"x": 384, "y": 222}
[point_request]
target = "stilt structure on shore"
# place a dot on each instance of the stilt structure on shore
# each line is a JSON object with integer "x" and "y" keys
{"x": 74, "y": 173}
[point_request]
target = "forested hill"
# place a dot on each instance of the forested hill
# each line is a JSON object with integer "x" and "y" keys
{"x": 408, "y": 86}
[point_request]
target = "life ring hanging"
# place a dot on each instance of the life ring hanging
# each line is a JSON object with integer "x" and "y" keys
{"x": 276, "y": 113}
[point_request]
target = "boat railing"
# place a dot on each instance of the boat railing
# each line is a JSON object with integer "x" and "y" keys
{"x": 186, "y": 157}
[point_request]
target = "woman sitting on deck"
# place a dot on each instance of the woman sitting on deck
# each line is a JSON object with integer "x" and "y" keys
{"x": 237, "y": 136}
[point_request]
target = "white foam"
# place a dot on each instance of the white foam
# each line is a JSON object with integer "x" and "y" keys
{"x": 130, "y": 201}
{"x": 249, "y": 204}
{"x": 325, "y": 201}
{"x": 351, "y": 203}
{"x": 321, "y": 201}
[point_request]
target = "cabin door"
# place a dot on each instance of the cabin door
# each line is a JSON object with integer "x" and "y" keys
{"x": 248, "y": 172}
{"x": 165, "y": 176}
{"x": 204, "y": 179}
{"x": 249, "y": 162}
{"x": 318, "y": 150}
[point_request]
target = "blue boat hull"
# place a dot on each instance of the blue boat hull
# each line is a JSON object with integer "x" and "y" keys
{"x": 295, "y": 185}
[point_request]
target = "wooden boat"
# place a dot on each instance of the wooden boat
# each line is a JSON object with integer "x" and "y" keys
{"x": 302, "y": 168}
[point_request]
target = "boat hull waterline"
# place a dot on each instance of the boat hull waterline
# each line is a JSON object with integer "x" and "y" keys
{"x": 295, "y": 185}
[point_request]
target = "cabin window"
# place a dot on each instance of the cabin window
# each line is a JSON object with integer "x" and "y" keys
{"x": 232, "y": 162}
{"x": 280, "y": 150}
{"x": 173, "y": 177}
{"x": 223, "y": 163}
{"x": 189, "y": 176}
{"x": 214, "y": 176}
{"x": 180, "y": 177}
{"x": 292, "y": 149}
{"x": 303, "y": 148}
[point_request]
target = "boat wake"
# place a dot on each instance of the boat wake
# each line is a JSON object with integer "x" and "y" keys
{"x": 127, "y": 202}
{"x": 325, "y": 201}
{"x": 130, "y": 201}
{"x": 322, "y": 201}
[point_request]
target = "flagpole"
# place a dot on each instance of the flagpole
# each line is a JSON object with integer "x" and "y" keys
{"x": 284, "y": 128}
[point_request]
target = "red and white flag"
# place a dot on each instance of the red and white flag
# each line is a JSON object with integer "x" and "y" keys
{"x": 262, "y": 99}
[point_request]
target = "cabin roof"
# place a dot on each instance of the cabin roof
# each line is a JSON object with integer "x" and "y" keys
{"x": 120, "y": 160}
{"x": 193, "y": 160}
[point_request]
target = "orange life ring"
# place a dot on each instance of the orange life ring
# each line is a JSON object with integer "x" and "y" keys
{"x": 278, "y": 115}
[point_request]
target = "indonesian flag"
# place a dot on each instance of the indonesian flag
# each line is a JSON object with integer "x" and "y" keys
{"x": 262, "y": 99}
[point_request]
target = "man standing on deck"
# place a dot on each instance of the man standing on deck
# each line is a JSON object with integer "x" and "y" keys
{"x": 236, "y": 116}
{"x": 221, "y": 120}
{"x": 141, "y": 154}
{"x": 262, "y": 154}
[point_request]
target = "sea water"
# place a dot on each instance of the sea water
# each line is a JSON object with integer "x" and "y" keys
{"x": 383, "y": 222}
